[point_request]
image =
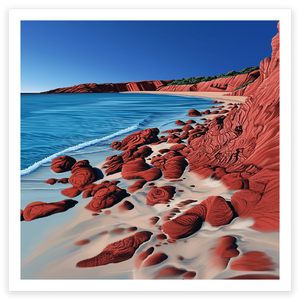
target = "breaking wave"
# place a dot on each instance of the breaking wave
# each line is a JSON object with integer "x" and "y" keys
{"x": 78, "y": 147}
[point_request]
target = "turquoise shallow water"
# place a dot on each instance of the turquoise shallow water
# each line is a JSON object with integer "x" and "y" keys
{"x": 54, "y": 124}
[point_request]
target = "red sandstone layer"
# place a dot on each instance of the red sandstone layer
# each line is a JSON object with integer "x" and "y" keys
{"x": 150, "y": 85}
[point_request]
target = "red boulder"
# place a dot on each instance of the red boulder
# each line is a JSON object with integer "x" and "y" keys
{"x": 253, "y": 261}
{"x": 107, "y": 195}
{"x": 139, "y": 138}
{"x": 62, "y": 164}
{"x": 117, "y": 252}
{"x": 194, "y": 113}
{"x": 160, "y": 195}
{"x": 38, "y": 210}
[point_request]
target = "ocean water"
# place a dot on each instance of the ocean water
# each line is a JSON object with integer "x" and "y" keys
{"x": 54, "y": 124}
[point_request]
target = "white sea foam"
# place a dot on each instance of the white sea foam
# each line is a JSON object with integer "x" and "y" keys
{"x": 77, "y": 147}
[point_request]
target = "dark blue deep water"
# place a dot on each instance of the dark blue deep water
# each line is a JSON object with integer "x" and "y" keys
{"x": 57, "y": 124}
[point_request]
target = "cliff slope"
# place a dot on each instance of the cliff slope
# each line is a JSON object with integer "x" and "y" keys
{"x": 246, "y": 146}
{"x": 112, "y": 87}
{"x": 227, "y": 84}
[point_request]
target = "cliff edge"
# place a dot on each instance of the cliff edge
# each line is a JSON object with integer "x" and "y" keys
{"x": 245, "y": 146}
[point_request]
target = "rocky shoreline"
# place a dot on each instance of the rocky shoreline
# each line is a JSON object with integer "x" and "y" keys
{"x": 237, "y": 146}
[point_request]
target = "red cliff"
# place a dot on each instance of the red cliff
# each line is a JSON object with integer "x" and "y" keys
{"x": 227, "y": 84}
{"x": 246, "y": 145}
{"x": 112, "y": 87}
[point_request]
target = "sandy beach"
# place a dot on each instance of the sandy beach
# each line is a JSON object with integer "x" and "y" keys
{"x": 213, "y": 95}
{"x": 87, "y": 234}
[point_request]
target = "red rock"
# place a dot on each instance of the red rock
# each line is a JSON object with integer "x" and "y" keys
{"x": 173, "y": 139}
{"x": 133, "y": 152}
{"x": 179, "y": 123}
{"x": 190, "y": 122}
{"x": 87, "y": 193}
{"x": 172, "y": 164}
{"x": 162, "y": 151}
{"x": 117, "y": 252}
{"x": 104, "y": 232}
{"x": 248, "y": 137}
{"x": 187, "y": 127}
{"x": 234, "y": 181}
{"x": 169, "y": 273}
{"x": 82, "y": 176}
{"x": 107, "y": 212}
{"x": 161, "y": 236}
{"x": 207, "y": 112}
{"x": 131, "y": 229}
{"x": 151, "y": 174}
{"x": 214, "y": 210}
{"x": 194, "y": 113}
{"x": 180, "y": 258}
{"x": 218, "y": 212}
{"x": 63, "y": 180}
{"x": 82, "y": 242}
{"x": 113, "y": 164}
{"x": 172, "y": 130}
{"x": 62, "y": 164}
{"x": 126, "y": 205}
{"x": 117, "y": 230}
{"x": 80, "y": 164}
{"x": 177, "y": 147}
{"x": 139, "y": 138}
{"x": 224, "y": 250}
{"x": 184, "y": 135}
{"x": 185, "y": 203}
{"x": 214, "y": 112}
{"x": 218, "y": 173}
{"x": 154, "y": 220}
{"x": 51, "y": 181}
{"x": 189, "y": 275}
{"x": 255, "y": 276}
{"x": 107, "y": 196}
{"x": 160, "y": 195}
{"x": 139, "y": 169}
{"x": 185, "y": 224}
{"x": 253, "y": 261}
{"x": 174, "y": 167}
{"x": 244, "y": 201}
{"x": 149, "y": 85}
{"x": 224, "y": 111}
{"x": 136, "y": 186}
{"x": 142, "y": 256}
{"x": 155, "y": 259}
{"x": 36, "y": 210}
{"x": 71, "y": 192}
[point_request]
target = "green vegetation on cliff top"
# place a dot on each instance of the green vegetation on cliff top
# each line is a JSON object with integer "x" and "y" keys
{"x": 194, "y": 80}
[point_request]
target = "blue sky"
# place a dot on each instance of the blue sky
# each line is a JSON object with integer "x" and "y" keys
{"x": 64, "y": 53}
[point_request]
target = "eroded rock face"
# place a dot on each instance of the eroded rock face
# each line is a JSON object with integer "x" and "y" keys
{"x": 118, "y": 251}
{"x": 150, "y": 85}
{"x": 246, "y": 145}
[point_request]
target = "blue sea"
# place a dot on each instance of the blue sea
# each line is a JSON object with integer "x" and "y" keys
{"x": 66, "y": 124}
